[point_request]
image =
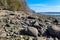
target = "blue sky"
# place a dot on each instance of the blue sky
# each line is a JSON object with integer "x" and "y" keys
{"x": 44, "y": 5}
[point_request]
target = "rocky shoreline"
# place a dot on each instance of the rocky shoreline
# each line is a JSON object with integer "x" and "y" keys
{"x": 21, "y": 26}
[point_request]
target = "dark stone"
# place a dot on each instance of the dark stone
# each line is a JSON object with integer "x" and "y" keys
{"x": 32, "y": 22}
{"x": 55, "y": 22}
{"x": 5, "y": 20}
{"x": 22, "y": 32}
{"x": 39, "y": 19}
{"x": 59, "y": 23}
{"x": 12, "y": 14}
{"x": 54, "y": 31}
{"x": 7, "y": 25}
{"x": 47, "y": 21}
{"x": 30, "y": 17}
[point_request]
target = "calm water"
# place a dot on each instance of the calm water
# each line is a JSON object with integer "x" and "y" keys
{"x": 51, "y": 13}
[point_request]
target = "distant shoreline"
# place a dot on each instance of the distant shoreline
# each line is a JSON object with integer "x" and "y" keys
{"x": 49, "y": 13}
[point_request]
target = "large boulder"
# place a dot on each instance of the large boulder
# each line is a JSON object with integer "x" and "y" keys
{"x": 54, "y": 31}
{"x": 30, "y": 31}
{"x": 33, "y": 32}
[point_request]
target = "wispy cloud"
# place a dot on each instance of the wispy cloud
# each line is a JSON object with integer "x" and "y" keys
{"x": 37, "y": 5}
{"x": 45, "y": 8}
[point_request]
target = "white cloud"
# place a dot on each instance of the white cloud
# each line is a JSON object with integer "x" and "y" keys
{"x": 36, "y": 5}
{"x": 45, "y": 8}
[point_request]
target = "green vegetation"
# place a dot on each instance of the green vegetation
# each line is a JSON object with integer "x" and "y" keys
{"x": 11, "y": 4}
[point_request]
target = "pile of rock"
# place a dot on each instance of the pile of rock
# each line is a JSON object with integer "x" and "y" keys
{"x": 17, "y": 27}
